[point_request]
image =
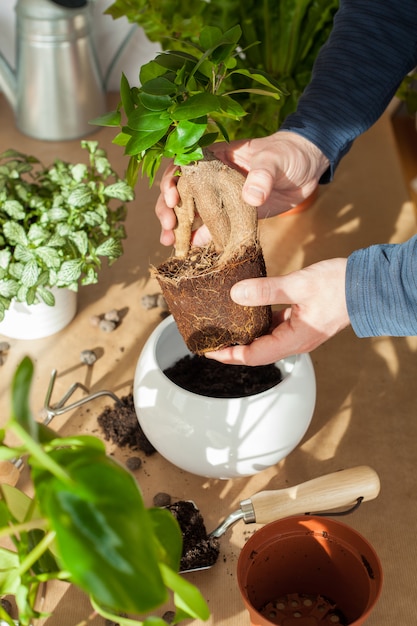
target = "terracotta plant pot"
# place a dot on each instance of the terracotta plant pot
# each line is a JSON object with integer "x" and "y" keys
{"x": 213, "y": 436}
{"x": 306, "y": 570}
{"x": 206, "y": 316}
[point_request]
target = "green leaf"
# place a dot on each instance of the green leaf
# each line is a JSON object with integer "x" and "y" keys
{"x": 144, "y": 120}
{"x": 187, "y": 596}
{"x": 154, "y": 102}
{"x": 9, "y": 577}
{"x": 126, "y": 95}
{"x": 143, "y": 140}
{"x": 37, "y": 234}
{"x": 46, "y": 296}
{"x": 30, "y": 273}
{"x": 189, "y": 157}
{"x": 80, "y": 238}
{"x": 14, "y": 209}
{"x": 8, "y": 288}
{"x": 120, "y": 190}
{"x": 169, "y": 536}
{"x": 69, "y": 272}
{"x": 107, "y": 549}
{"x": 81, "y": 196}
{"x": 186, "y": 134}
{"x": 15, "y": 233}
{"x": 21, "y": 383}
{"x": 5, "y": 256}
{"x": 49, "y": 256}
{"x": 161, "y": 86}
{"x": 197, "y": 106}
{"x": 111, "y": 248}
{"x": 112, "y": 118}
{"x": 231, "y": 108}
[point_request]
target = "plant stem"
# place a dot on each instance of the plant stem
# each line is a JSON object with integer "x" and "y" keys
{"x": 37, "y": 552}
{"x": 39, "y": 454}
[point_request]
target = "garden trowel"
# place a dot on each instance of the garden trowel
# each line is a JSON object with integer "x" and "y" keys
{"x": 325, "y": 493}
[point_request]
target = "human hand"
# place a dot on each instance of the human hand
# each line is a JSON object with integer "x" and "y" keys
{"x": 281, "y": 171}
{"x": 316, "y": 310}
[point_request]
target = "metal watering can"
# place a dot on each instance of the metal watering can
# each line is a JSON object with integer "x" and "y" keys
{"x": 56, "y": 87}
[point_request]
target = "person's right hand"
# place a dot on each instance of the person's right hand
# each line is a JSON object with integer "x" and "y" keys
{"x": 281, "y": 171}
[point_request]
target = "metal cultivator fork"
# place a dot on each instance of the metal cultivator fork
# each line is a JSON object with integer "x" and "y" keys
{"x": 50, "y": 411}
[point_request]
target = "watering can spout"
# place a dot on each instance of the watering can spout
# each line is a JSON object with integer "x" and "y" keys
{"x": 8, "y": 82}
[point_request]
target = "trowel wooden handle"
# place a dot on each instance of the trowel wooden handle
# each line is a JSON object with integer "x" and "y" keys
{"x": 321, "y": 494}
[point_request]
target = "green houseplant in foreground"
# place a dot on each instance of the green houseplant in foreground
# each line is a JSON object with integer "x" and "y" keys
{"x": 86, "y": 524}
{"x": 57, "y": 223}
{"x": 182, "y": 107}
{"x": 280, "y": 37}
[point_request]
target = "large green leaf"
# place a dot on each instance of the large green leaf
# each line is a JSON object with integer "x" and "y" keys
{"x": 21, "y": 412}
{"x": 107, "y": 547}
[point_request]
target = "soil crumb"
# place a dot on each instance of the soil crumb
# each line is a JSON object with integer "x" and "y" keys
{"x": 120, "y": 425}
{"x": 199, "y": 550}
{"x": 218, "y": 380}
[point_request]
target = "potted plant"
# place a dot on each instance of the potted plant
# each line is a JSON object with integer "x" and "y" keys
{"x": 178, "y": 112}
{"x": 86, "y": 524}
{"x": 259, "y": 421}
{"x": 58, "y": 223}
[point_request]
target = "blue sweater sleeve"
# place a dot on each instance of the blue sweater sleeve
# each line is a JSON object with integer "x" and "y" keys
{"x": 381, "y": 290}
{"x": 372, "y": 46}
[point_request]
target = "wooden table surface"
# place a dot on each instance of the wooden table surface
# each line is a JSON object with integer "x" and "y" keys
{"x": 366, "y": 388}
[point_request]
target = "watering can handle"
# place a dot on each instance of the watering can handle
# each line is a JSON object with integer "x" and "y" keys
{"x": 324, "y": 493}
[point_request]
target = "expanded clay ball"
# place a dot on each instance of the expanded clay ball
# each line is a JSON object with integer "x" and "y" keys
{"x": 107, "y": 325}
{"x": 162, "y": 499}
{"x": 149, "y": 301}
{"x": 134, "y": 463}
{"x": 88, "y": 357}
{"x": 112, "y": 316}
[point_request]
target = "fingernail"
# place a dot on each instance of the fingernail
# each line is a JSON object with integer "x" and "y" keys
{"x": 240, "y": 293}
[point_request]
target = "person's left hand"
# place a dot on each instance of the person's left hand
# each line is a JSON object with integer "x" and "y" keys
{"x": 315, "y": 311}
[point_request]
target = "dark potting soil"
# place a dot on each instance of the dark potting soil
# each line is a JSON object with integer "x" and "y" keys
{"x": 199, "y": 550}
{"x": 218, "y": 380}
{"x": 120, "y": 425}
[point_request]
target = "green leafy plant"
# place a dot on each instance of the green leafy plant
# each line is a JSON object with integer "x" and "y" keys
{"x": 57, "y": 223}
{"x": 184, "y": 102}
{"x": 280, "y": 37}
{"x": 86, "y": 524}
{"x": 183, "y": 105}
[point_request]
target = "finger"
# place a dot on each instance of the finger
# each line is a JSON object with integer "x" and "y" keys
{"x": 258, "y": 186}
{"x": 165, "y": 214}
{"x": 266, "y": 349}
{"x": 168, "y": 186}
{"x": 263, "y": 291}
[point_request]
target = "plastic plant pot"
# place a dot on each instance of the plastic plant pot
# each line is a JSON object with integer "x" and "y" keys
{"x": 307, "y": 571}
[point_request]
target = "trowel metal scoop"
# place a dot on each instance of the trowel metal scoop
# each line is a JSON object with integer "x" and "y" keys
{"x": 325, "y": 493}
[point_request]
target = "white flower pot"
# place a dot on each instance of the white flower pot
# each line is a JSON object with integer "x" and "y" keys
{"x": 23, "y": 321}
{"x": 218, "y": 437}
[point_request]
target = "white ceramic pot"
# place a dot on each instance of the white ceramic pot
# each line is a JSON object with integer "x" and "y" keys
{"x": 218, "y": 437}
{"x": 24, "y": 321}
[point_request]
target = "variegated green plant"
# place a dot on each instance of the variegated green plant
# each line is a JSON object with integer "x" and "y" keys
{"x": 57, "y": 223}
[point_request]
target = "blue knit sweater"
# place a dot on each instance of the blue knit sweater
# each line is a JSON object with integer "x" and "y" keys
{"x": 373, "y": 45}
